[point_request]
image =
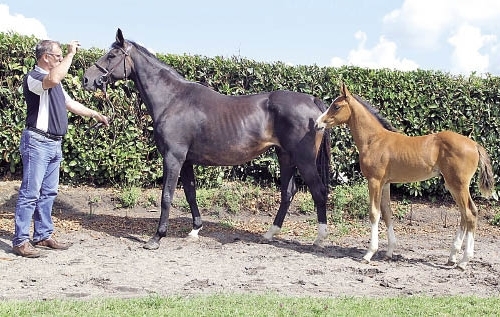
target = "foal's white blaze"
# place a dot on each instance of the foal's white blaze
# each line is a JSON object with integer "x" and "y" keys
{"x": 373, "y": 240}
{"x": 319, "y": 122}
{"x": 194, "y": 233}
{"x": 322, "y": 233}
{"x": 273, "y": 230}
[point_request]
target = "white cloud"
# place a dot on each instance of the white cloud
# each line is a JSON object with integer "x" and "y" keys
{"x": 382, "y": 55}
{"x": 20, "y": 24}
{"x": 467, "y": 43}
{"x": 468, "y": 30}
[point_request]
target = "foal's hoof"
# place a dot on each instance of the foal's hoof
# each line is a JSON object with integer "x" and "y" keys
{"x": 461, "y": 266}
{"x": 319, "y": 245}
{"x": 151, "y": 245}
{"x": 365, "y": 261}
{"x": 264, "y": 240}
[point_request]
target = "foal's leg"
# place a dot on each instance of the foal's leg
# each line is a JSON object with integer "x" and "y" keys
{"x": 375, "y": 196}
{"x": 385, "y": 206}
{"x": 467, "y": 229}
{"x": 189, "y": 185}
{"x": 288, "y": 190}
{"x": 471, "y": 225}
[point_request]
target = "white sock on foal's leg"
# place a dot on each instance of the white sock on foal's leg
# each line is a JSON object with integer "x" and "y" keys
{"x": 373, "y": 241}
{"x": 468, "y": 250}
{"x": 455, "y": 247}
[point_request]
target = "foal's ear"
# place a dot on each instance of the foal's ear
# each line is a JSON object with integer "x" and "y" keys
{"x": 344, "y": 91}
{"x": 119, "y": 37}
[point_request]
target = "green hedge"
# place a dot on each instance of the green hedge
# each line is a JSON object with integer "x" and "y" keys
{"x": 416, "y": 102}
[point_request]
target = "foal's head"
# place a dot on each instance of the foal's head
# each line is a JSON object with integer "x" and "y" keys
{"x": 339, "y": 111}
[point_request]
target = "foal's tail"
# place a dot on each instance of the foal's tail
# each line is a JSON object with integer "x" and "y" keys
{"x": 323, "y": 158}
{"x": 486, "y": 176}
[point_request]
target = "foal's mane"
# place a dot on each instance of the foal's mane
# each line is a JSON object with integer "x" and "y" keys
{"x": 374, "y": 111}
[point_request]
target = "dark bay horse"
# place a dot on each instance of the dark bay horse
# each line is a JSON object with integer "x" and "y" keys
{"x": 193, "y": 124}
{"x": 386, "y": 156}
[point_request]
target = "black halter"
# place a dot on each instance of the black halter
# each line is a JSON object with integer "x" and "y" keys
{"x": 104, "y": 79}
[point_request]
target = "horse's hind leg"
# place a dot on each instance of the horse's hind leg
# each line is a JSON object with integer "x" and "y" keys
{"x": 319, "y": 193}
{"x": 375, "y": 198}
{"x": 387, "y": 216}
{"x": 189, "y": 185}
{"x": 288, "y": 191}
{"x": 467, "y": 229}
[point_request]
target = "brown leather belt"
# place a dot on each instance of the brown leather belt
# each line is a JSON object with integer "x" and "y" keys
{"x": 45, "y": 134}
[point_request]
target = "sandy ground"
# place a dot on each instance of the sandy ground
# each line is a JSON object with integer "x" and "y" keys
{"x": 108, "y": 260}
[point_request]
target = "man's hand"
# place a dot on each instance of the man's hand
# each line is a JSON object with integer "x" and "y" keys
{"x": 73, "y": 47}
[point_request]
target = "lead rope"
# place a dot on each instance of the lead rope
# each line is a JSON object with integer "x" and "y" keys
{"x": 104, "y": 79}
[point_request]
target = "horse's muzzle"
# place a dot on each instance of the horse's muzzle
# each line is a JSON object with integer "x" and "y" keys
{"x": 319, "y": 126}
{"x": 88, "y": 84}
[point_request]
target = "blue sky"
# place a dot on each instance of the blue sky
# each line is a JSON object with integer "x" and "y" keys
{"x": 456, "y": 36}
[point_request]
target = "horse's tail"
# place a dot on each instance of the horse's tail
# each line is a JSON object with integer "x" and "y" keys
{"x": 323, "y": 158}
{"x": 486, "y": 176}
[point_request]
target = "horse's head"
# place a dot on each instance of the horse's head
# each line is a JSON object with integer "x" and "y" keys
{"x": 339, "y": 111}
{"x": 112, "y": 66}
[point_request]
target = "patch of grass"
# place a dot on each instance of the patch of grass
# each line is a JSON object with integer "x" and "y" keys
{"x": 495, "y": 221}
{"x": 232, "y": 197}
{"x": 350, "y": 201}
{"x": 402, "y": 208}
{"x": 258, "y": 305}
{"x": 93, "y": 202}
{"x": 304, "y": 202}
{"x": 129, "y": 197}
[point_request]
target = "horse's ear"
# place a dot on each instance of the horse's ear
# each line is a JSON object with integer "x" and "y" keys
{"x": 119, "y": 37}
{"x": 344, "y": 91}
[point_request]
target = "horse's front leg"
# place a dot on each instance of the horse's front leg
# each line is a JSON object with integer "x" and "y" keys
{"x": 375, "y": 193}
{"x": 189, "y": 184}
{"x": 171, "y": 168}
{"x": 288, "y": 191}
{"x": 385, "y": 206}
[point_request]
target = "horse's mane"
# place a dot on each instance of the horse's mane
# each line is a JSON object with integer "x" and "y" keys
{"x": 155, "y": 59}
{"x": 374, "y": 111}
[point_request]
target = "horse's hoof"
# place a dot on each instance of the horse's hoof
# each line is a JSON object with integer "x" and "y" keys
{"x": 193, "y": 235}
{"x": 462, "y": 266}
{"x": 319, "y": 244}
{"x": 151, "y": 245}
{"x": 264, "y": 240}
{"x": 450, "y": 263}
{"x": 387, "y": 258}
{"x": 365, "y": 261}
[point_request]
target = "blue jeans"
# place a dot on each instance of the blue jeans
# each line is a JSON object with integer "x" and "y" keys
{"x": 41, "y": 158}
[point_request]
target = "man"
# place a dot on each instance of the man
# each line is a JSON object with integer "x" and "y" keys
{"x": 46, "y": 124}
